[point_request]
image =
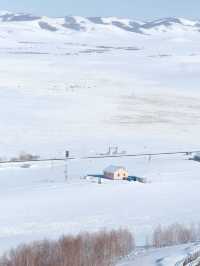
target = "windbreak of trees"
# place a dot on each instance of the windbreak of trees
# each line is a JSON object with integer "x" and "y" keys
{"x": 175, "y": 234}
{"x": 97, "y": 249}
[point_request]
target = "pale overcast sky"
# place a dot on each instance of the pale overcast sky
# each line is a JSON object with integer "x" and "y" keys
{"x": 138, "y": 9}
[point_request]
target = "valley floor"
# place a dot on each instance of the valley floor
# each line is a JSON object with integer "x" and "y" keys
{"x": 38, "y": 203}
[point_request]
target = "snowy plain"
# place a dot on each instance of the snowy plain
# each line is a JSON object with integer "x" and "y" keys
{"x": 85, "y": 90}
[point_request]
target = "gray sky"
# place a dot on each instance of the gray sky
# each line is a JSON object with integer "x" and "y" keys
{"x": 138, "y": 9}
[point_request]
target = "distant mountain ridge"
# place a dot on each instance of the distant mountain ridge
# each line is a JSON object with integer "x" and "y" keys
{"x": 81, "y": 24}
{"x": 6, "y": 16}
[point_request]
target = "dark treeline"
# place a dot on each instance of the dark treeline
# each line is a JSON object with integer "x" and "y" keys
{"x": 97, "y": 249}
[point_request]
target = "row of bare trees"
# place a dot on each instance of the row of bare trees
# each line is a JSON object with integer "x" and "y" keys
{"x": 97, "y": 249}
{"x": 175, "y": 234}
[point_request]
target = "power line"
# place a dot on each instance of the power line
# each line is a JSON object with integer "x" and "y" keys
{"x": 135, "y": 155}
{"x": 102, "y": 157}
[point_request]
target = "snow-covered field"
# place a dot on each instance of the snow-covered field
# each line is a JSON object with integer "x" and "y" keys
{"x": 83, "y": 89}
{"x": 38, "y": 203}
{"x": 70, "y": 88}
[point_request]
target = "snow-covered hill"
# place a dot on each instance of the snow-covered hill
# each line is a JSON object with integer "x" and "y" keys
{"x": 139, "y": 77}
{"x": 92, "y": 24}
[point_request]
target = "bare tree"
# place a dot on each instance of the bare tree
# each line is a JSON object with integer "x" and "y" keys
{"x": 174, "y": 234}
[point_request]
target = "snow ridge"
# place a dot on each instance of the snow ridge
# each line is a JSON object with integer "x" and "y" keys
{"x": 92, "y": 24}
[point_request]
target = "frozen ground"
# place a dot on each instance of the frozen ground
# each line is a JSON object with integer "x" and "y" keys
{"x": 83, "y": 90}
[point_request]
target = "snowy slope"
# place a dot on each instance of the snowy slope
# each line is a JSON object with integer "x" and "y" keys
{"x": 84, "y": 83}
{"x": 76, "y": 23}
{"x": 56, "y": 71}
{"x": 37, "y": 203}
{"x": 170, "y": 256}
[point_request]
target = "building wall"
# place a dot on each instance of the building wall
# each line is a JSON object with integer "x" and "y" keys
{"x": 121, "y": 174}
{"x": 109, "y": 175}
{"x": 118, "y": 175}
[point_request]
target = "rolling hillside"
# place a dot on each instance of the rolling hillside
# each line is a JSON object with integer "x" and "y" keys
{"x": 64, "y": 79}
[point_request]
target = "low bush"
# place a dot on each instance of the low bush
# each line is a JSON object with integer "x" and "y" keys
{"x": 25, "y": 157}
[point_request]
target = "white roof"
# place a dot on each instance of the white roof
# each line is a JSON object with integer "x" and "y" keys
{"x": 113, "y": 168}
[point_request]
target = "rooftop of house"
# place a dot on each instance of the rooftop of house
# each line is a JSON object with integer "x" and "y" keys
{"x": 113, "y": 168}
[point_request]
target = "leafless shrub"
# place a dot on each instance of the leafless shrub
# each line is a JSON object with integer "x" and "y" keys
{"x": 97, "y": 249}
{"x": 24, "y": 157}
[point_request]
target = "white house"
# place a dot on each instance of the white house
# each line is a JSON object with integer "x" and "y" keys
{"x": 115, "y": 172}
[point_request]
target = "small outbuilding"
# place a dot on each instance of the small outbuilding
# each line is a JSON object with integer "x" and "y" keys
{"x": 115, "y": 172}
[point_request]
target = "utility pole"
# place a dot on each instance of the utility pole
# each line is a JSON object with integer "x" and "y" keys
{"x": 149, "y": 158}
{"x": 99, "y": 180}
{"x": 66, "y": 164}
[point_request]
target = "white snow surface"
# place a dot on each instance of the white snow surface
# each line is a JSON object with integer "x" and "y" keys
{"x": 63, "y": 88}
{"x": 37, "y": 203}
{"x": 169, "y": 256}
